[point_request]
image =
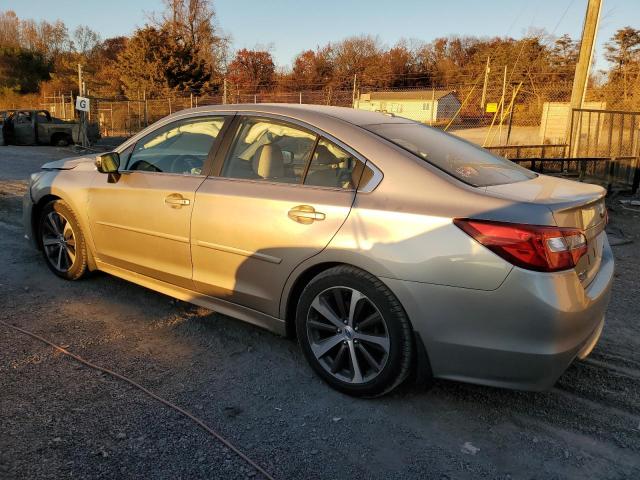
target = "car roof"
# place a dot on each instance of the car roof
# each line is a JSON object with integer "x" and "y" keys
{"x": 306, "y": 112}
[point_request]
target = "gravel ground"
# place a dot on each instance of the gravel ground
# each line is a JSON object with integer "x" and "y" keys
{"x": 62, "y": 420}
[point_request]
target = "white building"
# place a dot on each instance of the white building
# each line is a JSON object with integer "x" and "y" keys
{"x": 426, "y": 106}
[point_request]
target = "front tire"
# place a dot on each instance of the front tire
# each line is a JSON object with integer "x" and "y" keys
{"x": 354, "y": 333}
{"x": 63, "y": 245}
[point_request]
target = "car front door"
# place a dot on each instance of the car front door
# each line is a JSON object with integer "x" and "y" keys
{"x": 279, "y": 197}
{"x": 141, "y": 222}
{"x": 24, "y": 131}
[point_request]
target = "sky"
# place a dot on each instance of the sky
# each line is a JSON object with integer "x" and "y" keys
{"x": 286, "y": 27}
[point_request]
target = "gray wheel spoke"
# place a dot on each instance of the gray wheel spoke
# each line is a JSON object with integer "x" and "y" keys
{"x": 59, "y": 261}
{"x": 339, "y": 298}
{"x": 322, "y": 348}
{"x": 355, "y": 298}
{"x": 380, "y": 340}
{"x": 322, "y": 326}
{"x": 357, "y": 374}
{"x": 370, "y": 320}
{"x": 339, "y": 358}
{"x": 370, "y": 360}
{"x": 49, "y": 242}
{"x": 67, "y": 232}
{"x": 53, "y": 223}
{"x": 71, "y": 256}
{"x": 323, "y": 309}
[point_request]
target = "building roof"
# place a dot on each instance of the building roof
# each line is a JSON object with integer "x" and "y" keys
{"x": 410, "y": 95}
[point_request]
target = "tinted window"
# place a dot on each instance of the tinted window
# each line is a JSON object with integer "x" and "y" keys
{"x": 180, "y": 147}
{"x": 331, "y": 166}
{"x": 269, "y": 150}
{"x": 461, "y": 159}
{"x": 22, "y": 118}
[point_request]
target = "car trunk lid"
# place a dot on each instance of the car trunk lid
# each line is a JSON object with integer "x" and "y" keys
{"x": 572, "y": 204}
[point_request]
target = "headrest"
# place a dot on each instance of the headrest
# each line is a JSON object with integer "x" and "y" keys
{"x": 324, "y": 157}
{"x": 268, "y": 161}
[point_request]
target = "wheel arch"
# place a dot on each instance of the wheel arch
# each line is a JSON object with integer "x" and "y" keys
{"x": 35, "y": 215}
{"x": 293, "y": 292}
{"x": 314, "y": 266}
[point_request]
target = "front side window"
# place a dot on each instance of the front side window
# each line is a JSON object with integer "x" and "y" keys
{"x": 332, "y": 166}
{"x": 269, "y": 150}
{"x": 23, "y": 118}
{"x": 180, "y": 147}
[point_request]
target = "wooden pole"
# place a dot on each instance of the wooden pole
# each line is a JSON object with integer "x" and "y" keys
{"x": 484, "y": 87}
{"x": 504, "y": 89}
{"x": 587, "y": 46}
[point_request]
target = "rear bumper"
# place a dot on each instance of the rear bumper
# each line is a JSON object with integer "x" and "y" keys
{"x": 522, "y": 335}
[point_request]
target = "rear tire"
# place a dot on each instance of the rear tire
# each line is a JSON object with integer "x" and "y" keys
{"x": 63, "y": 245}
{"x": 354, "y": 333}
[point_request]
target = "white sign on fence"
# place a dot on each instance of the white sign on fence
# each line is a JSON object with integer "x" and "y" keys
{"x": 82, "y": 104}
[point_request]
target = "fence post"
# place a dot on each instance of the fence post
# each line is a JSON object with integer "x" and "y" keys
{"x": 636, "y": 153}
{"x": 610, "y": 173}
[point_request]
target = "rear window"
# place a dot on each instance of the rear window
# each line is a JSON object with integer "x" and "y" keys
{"x": 460, "y": 159}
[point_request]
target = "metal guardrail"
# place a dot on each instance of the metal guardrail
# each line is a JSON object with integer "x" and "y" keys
{"x": 612, "y": 172}
{"x": 554, "y": 150}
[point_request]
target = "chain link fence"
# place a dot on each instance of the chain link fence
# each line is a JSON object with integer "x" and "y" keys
{"x": 527, "y": 112}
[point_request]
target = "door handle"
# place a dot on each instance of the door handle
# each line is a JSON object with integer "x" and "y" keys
{"x": 175, "y": 200}
{"x": 305, "y": 214}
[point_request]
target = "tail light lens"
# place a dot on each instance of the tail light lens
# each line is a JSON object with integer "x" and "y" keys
{"x": 539, "y": 248}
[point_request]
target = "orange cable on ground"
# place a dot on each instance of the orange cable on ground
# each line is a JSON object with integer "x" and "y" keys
{"x": 190, "y": 416}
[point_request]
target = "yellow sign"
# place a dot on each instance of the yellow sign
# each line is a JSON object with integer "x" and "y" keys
{"x": 492, "y": 107}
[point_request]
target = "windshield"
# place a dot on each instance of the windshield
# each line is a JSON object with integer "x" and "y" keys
{"x": 460, "y": 159}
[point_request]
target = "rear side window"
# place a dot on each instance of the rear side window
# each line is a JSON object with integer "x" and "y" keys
{"x": 459, "y": 158}
{"x": 269, "y": 150}
{"x": 331, "y": 166}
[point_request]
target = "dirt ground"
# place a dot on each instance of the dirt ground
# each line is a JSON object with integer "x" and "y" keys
{"x": 59, "y": 419}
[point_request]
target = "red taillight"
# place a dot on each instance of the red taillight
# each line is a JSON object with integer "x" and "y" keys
{"x": 544, "y": 249}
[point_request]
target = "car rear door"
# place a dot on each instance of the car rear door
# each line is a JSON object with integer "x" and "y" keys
{"x": 141, "y": 222}
{"x": 256, "y": 220}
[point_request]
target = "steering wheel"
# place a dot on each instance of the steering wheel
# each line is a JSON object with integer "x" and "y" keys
{"x": 186, "y": 164}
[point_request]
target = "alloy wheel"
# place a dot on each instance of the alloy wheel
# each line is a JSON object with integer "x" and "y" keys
{"x": 59, "y": 241}
{"x": 348, "y": 335}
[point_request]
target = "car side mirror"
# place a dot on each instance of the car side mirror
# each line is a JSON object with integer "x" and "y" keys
{"x": 108, "y": 162}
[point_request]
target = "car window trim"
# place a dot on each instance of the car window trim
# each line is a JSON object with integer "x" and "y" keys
{"x": 225, "y": 150}
{"x": 208, "y": 163}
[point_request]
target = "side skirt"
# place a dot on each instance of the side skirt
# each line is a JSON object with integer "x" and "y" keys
{"x": 245, "y": 314}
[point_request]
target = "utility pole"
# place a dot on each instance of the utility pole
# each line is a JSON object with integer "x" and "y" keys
{"x": 581, "y": 77}
{"x": 514, "y": 93}
{"x": 224, "y": 91}
{"x": 353, "y": 95}
{"x": 82, "y": 116}
{"x": 504, "y": 91}
{"x": 587, "y": 45}
{"x": 487, "y": 69}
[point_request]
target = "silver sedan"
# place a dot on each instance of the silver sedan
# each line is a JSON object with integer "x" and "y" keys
{"x": 388, "y": 248}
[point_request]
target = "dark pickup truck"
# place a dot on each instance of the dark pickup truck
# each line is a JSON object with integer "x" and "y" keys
{"x": 38, "y": 127}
